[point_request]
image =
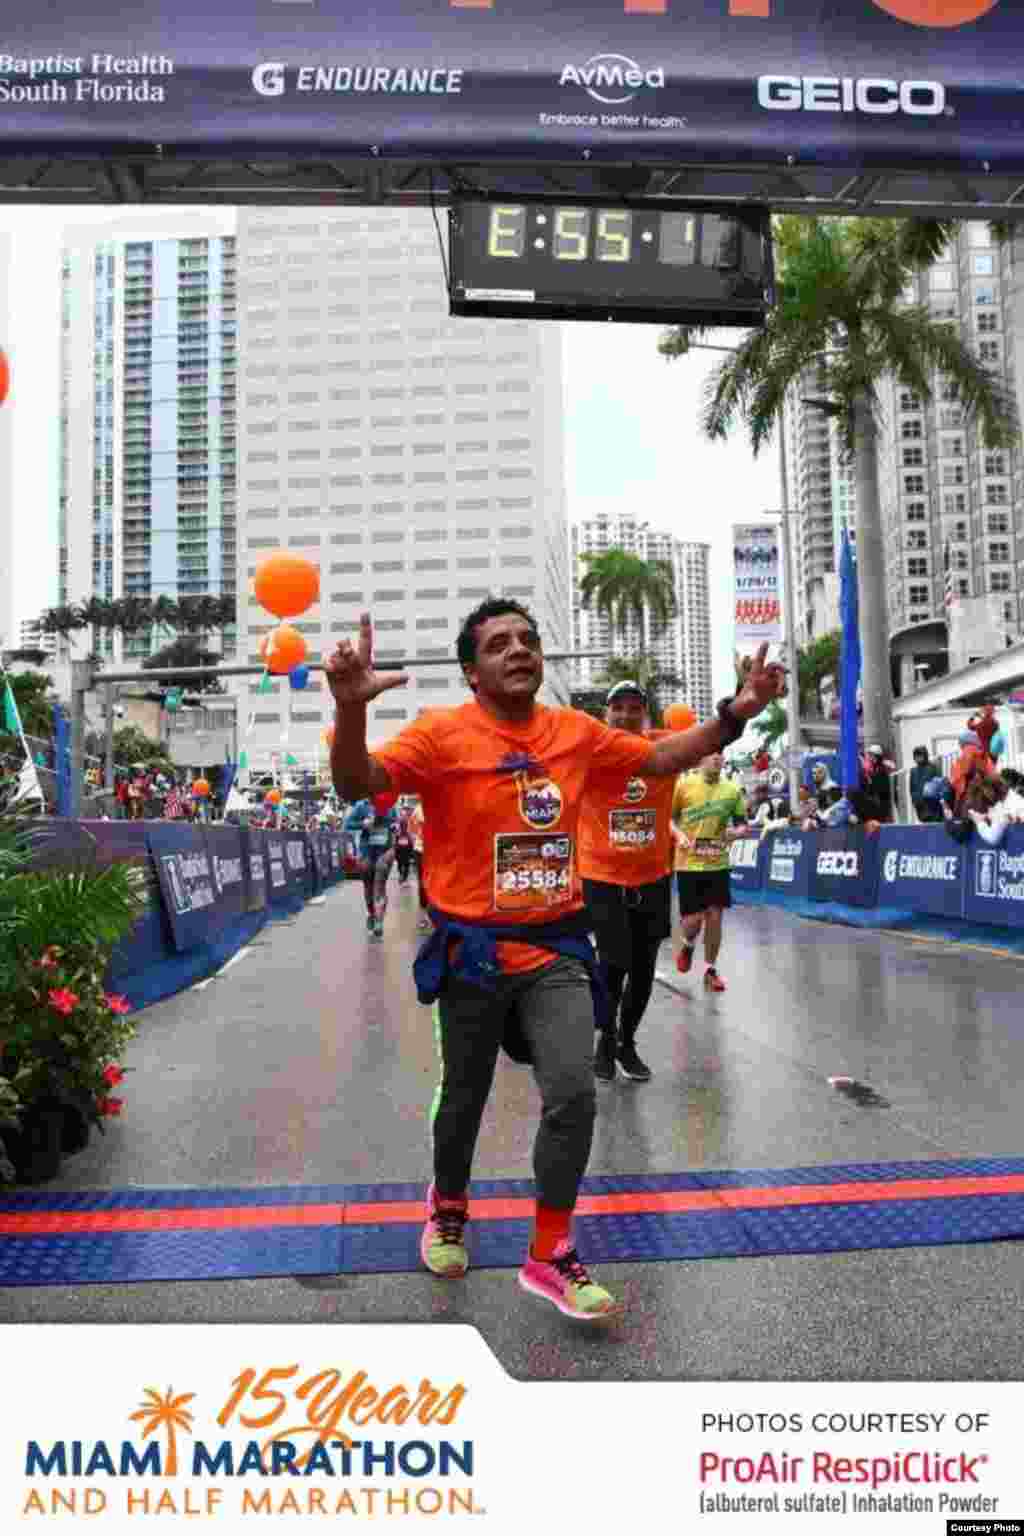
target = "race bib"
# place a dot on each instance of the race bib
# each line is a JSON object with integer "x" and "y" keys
{"x": 631, "y": 829}
{"x": 532, "y": 870}
{"x": 709, "y": 848}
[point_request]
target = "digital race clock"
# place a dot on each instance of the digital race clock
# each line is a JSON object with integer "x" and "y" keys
{"x": 588, "y": 260}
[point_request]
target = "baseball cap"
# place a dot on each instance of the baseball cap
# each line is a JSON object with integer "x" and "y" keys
{"x": 875, "y": 751}
{"x": 626, "y": 686}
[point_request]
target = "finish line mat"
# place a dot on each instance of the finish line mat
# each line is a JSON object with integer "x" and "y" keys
{"x": 116, "y": 1236}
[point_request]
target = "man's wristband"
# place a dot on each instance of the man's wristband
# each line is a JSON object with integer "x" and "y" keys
{"x": 730, "y": 725}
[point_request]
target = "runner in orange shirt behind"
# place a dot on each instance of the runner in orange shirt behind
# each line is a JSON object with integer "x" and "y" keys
{"x": 625, "y": 852}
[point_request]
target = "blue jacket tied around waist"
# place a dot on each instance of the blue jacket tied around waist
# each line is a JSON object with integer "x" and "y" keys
{"x": 477, "y": 961}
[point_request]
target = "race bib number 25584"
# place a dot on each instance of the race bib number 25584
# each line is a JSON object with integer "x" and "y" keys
{"x": 531, "y": 870}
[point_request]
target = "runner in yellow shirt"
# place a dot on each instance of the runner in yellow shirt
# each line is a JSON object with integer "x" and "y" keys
{"x": 705, "y": 812}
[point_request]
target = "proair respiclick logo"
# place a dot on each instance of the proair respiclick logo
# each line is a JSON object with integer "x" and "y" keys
{"x": 305, "y": 1460}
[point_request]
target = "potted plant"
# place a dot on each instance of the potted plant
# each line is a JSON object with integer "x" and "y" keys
{"x": 61, "y": 1031}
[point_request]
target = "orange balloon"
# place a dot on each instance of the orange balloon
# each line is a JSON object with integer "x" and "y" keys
{"x": 5, "y": 376}
{"x": 283, "y": 649}
{"x": 937, "y": 13}
{"x": 201, "y": 788}
{"x": 273, "y": 797}
{"x": 286, "y": 585}
{"x": 328, "y": 735}
{"x": 679, "y": 717}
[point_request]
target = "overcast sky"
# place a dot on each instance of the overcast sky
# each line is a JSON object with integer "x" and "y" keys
{"x": 632, "y": 436}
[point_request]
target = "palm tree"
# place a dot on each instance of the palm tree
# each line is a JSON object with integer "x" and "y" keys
{"x": 841, "y": 309}
{"x": 166, "y": 1413}
{"x": 628, "y": 591}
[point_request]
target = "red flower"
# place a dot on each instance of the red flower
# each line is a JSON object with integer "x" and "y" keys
{"x": 117, "y": 1003}
{"x": 64, "y": 1001}
{"x": 110, "y": 1106}
{"x": 48, "y": 959}
{"x": 112, "y": 1076}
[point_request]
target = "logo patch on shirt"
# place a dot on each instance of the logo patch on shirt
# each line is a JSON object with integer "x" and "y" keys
{"x": 540, "y": 801}
{"x": 635, "y": 790}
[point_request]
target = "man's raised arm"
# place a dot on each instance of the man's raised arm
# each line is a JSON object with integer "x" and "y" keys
{"x": 685, "y": 749}
{"x": 354, "y": 683}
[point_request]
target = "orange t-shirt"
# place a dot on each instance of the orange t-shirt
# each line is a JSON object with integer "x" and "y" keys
{"x": 501, "y": 804}
{"x": 625, "y": 827}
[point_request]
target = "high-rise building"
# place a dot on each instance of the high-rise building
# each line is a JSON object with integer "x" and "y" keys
{"x": 147, "y": 458}
{"x": 417, "y": 458}
{"x": 822, "y": 504}
{"x": 942, "y": 490}
{"x": 32, "y": 637}
{"x": 682, "y": 646}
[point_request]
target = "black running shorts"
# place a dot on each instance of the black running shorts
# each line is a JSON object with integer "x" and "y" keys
{"x": 699, "y": 890}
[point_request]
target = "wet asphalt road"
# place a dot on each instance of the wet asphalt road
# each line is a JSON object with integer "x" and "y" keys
{"x": 308, "y": 1061}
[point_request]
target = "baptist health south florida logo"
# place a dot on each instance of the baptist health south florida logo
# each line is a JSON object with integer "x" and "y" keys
{"x": 305, "y": 1461}
{"x": 999, "y": 874}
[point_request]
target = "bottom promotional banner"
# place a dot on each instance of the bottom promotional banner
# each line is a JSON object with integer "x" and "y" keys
{"x": 232, "y": 1428}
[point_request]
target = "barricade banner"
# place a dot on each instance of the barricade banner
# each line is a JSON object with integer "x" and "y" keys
{"x": 299, "y": 864}
{"x": 337, "y": 864}
{"x": 921, "y": 868}
{"x": 254, "y": 856}
{"x": 277, "y": 870}
{"x": 187, "y": 886}
{"x": 787, "y": 863}
{"x": 224, "y": 844}
{"x": 845, "y": 867}
{"x": 746, "y": 863}
{"x": 327, "y": 871}
{"x": 994, "y": 887}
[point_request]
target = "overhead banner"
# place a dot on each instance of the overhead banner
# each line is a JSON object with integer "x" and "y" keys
{"x": 757, "y": 596}
{"x": 873, "y": 83}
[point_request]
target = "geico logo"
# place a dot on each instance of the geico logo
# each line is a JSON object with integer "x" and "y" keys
{"x": 829, "y": 93}
{"x": 836, "y": 863}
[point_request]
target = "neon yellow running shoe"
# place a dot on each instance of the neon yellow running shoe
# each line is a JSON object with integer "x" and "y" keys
{"x": 443, "y": 1245}
{"x": 564, "y": 1281}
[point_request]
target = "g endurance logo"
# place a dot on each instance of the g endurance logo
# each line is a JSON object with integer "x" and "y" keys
{"x": 891, "y": 866}
{"x": 612, "y": 79}
{"x": 359, "y": 79}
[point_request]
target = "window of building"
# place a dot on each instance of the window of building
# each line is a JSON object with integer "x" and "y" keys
{"x": 916, "y": 511}
{"x": 987, "y": 322}
{"x": 996, "y": 495}
{"x": 917, "y": 539}
{"x": 953, "y": 474}
{"x": 999, "y": 552}
{"x": 913, "y": 484}
{"x": 430, "y": 565}
{"x": 998, "y": 522}
{"x": 429, "y": 535}
{"x": 911, "y": 429}
{"x": 989, "y": 351}
{"x": 983, "y": 266}
{"x": 918, "y": 595}
{"x": 912, "y": 457}
{"x": 473, "y": 563}
{"x": 474, "y": 592}
{"x": 994, "y": 464}
{"x": 941, "y": 280}
{"x": 917, "y": 565}
{"x": 387, "y": 536}
{"x": 440, "y": 623}
{"x": 999, "y": 581}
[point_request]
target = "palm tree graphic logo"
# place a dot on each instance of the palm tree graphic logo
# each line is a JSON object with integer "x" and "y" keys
{"x": 168, "y": 1414}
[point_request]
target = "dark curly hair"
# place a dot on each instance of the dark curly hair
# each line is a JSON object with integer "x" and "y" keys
{"x": 490, "y": 608}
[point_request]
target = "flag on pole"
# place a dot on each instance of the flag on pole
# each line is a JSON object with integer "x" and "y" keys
{"x": 849, "y": 668}
{"x": 28, "y": 789}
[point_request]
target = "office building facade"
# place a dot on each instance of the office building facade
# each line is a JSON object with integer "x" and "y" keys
{"x": 416, "y": 458}
{"x": 148, "y": 452}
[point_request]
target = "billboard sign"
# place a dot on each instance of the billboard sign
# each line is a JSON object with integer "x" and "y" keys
{"x": 757, "y": 568}
{"x": 871, "y": 83}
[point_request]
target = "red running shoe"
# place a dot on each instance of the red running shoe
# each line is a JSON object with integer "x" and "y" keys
{"x": 712, "y": 981}
{"x": 684, "y": 959}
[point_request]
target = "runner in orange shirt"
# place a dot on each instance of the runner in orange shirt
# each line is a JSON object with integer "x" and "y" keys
{"x": 501, "y": 780}
{"x": 625, "y": 850}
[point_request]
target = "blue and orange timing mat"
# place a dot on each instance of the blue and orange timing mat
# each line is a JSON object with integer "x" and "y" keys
{"x": 110, "y": 1236}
